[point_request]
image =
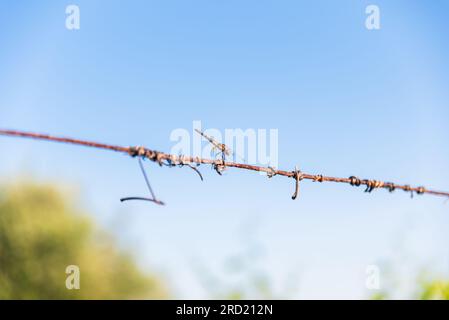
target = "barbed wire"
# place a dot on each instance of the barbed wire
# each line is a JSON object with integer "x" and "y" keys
{"x": 220, "y": 165}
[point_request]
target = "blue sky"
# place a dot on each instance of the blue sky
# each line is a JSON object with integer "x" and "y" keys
{"x": 346, "y": 101}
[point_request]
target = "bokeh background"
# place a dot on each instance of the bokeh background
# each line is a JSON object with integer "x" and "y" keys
{"x": 346, "y": 101}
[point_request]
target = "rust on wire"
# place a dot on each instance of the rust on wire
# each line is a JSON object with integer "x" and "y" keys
{"x": 219, "y": 164}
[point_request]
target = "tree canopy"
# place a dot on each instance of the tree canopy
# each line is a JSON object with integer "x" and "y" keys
{"x": 42, "y": 233}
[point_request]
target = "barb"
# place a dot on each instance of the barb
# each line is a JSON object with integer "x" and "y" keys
{"x": 220, "y": 146}
{"x": 224, "y": 150}
{"x": 143, "y": 199}
{"x": 147, "y": 181}
{"x": 298, "y": 176}
{"x": 271, "y": 173}
{"x": 194, "y": 168}
{"x": 159, "y": 157}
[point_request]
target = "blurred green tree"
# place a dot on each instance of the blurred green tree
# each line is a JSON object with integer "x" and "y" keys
{"x": 430, "y": 290}
{"x": 435, "y": 290}
{"x": 418, "y": 283}
{"x": 41, "y": 233}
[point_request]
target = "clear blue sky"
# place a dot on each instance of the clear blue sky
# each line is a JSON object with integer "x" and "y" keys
{"x": 346, "y": 100}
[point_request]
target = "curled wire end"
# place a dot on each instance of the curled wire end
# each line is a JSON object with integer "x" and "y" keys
{"x": 298, "y": 176}
{"x": 196, "y": 170}
{"x": 143, "y": 199}
{"x": 147, "y": 181}
{"x": 182, "y": 162}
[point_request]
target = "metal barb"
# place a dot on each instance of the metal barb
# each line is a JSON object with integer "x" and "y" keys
{"x": 147, "y": 181}
{"x": 298, "y": 176}
{"x": 272, "y": 172}
{"x": 194, "y": 169}
{"x": 223, "y": 149}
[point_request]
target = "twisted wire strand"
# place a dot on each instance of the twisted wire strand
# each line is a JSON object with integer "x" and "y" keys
{"x": 160, "y": 157}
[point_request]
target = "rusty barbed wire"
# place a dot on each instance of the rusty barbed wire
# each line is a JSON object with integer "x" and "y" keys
{"x": 219, "y": 165}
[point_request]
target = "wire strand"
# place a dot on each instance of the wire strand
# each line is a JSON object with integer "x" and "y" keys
{"x": 159, "y": 157}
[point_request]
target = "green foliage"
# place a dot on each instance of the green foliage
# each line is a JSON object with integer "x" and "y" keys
{"x": 41, "y": 234}
{"x": 379, "y": 296}
{"x": 422, "y": 285}
{"x": 435, "y": 290}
